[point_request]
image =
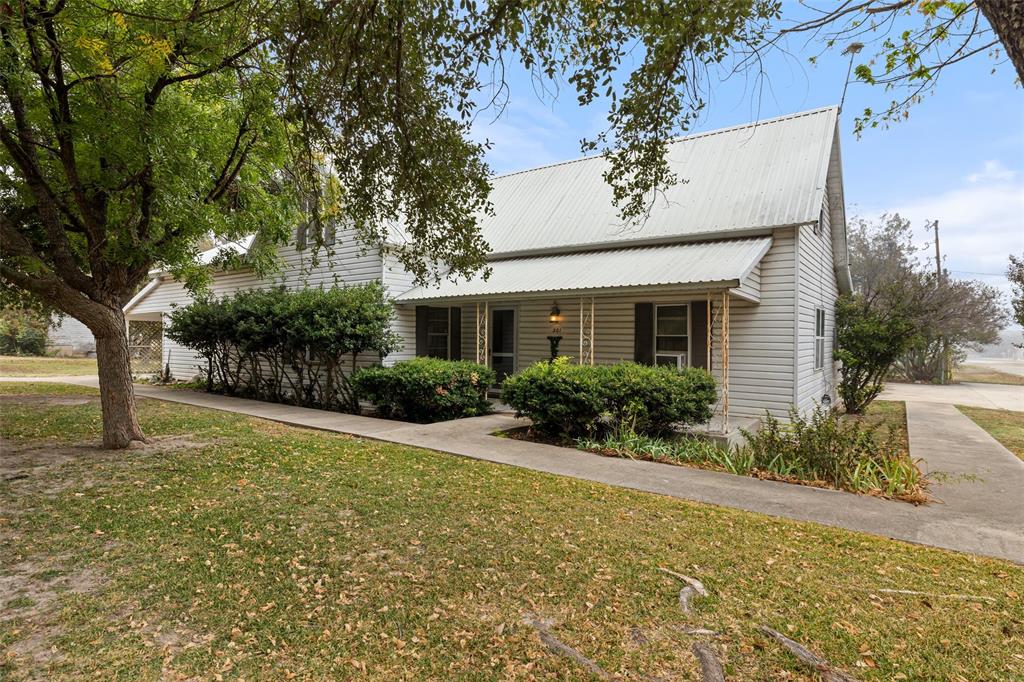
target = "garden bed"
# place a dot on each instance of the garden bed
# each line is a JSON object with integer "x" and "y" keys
{"x": 884, "y": 422}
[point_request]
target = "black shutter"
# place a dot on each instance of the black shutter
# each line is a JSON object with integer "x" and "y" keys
{"x": 330, "y": 234}
{"x": 455, "y": 333}
{"x": 643, "y": 333}
{"x": 699, "y": 330}
{"x": 421, "y": 330}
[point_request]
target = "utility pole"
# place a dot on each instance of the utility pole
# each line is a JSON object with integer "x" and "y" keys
{"x": 944, "y": 361}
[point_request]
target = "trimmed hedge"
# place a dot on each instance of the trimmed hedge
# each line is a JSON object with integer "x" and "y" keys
{"x": 427, "y": 390}
{"x": 574, "y": 401}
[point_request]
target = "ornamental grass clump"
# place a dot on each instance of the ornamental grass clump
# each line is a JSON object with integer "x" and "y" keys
{"x": 823, "y": 449}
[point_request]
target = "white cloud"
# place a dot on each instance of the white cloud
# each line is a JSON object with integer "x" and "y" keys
{"x": 981, "y": 222}
{"x": 992, "y": 171}
{"x": 526, "y": 134}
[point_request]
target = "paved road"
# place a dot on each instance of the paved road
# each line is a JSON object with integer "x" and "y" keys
{"x": 1008, "y": 366}
{"x": 994, "y": 396}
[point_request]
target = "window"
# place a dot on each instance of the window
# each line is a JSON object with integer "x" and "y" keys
{"x": 819, "y": 338}
{"x": 819, "y": 227}
{"x": 438, "y": 324}
{"x": 672, "y": 335}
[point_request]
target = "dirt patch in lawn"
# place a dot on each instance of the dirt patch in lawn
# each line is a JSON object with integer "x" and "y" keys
{"x": 31, "y": 593}
{"x": 46, "y": 400}
{"x": 35, "y": 465}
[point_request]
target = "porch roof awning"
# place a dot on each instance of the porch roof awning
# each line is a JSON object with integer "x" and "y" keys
{"x": 723, "y": 263}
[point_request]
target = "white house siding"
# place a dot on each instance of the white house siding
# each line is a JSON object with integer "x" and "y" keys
{"x": 817, "y": 289}
{"x": 397, "y": 281}
{"x": 349, "y": 264}
{"x": 71, "y": 337}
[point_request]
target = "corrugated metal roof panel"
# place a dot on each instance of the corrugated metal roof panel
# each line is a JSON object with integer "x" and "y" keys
{"x": 677, "y": 264}
{"x": 759, "y": 175}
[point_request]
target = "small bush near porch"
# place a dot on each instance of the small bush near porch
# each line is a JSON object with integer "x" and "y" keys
{"x": 427, "y": 390}
{"x": 862, "y": 454}
{"x": 566, "y": 400}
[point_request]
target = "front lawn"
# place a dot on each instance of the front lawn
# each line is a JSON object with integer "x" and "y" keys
{"x": 1005, "y": 426}
{"x": 233, "y": 547}
{"x": 17, "y": 366}
{"x": 980, "y": 374}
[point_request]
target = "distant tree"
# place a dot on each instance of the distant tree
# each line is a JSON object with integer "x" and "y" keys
{"x": 1015, "y": 273}
{"x": 949, "y": 316}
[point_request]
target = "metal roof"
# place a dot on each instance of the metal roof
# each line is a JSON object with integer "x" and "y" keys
{"x": 759, "y": 175}
{"x": 724, "y": 263}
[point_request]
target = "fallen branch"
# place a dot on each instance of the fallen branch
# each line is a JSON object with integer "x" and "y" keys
{"x": 561, "y": 648}
{"x": 710, "y": 668}
{"x": 693, "y": 588}
{"x": 699, "y": 631}
{"x": 808, "y": 657}
{"x": 964, "y": 597}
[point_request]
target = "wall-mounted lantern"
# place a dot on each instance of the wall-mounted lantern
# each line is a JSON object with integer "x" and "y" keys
{"x": 555, "y": 317}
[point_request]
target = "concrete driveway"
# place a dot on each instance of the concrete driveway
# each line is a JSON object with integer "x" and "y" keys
{"x": 994, "y": 396}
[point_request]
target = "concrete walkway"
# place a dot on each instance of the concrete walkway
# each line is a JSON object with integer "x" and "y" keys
{"x": 992, "y": 396}
{"x": 983, "y": 515}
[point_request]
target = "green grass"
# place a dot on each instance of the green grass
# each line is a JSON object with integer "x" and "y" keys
{"x": 1005, "y": 426}
{"x": 269, "y": 551}
{"x": 981, "y": 374}
{"x": 13, "y": 366}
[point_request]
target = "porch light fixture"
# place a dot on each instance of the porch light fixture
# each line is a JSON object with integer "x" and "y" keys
{"x": 555, "y": 315}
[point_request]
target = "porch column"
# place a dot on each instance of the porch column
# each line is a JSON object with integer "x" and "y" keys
{"x": 481, "y": 333}
{"x": 587, "y": 331}
{"x": 725, "y": 361}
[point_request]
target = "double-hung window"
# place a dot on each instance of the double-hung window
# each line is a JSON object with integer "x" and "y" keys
{"x": 819, "y": 338}
{"x": 438, "y": 331}
{"x": 672, "y": 335}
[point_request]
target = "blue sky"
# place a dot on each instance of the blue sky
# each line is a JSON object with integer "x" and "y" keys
{"x": 959, "y": 158}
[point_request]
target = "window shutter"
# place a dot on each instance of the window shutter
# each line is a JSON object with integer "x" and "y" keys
{"x": 329, "y": 234}
{"x": 421, "y": 331}
{"x": 643, "y": 333}
{"x": 300, "y": 235}
{"x": 455, "y": 333}
{"x": 699, "y": 334}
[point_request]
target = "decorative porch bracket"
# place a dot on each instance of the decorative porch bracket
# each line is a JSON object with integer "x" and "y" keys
{"x": 587, "y": 331}
{"x": 725, "y": 361}
{"x": 481, "y": 334}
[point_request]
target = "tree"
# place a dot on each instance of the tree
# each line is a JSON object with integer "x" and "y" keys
{"x": 1015, "y": 273}
{"x": 869, "y": 339}
{"x": 132, "y": 130}
{"x": 948, "y": 315}
{"x": 909, "y": 43}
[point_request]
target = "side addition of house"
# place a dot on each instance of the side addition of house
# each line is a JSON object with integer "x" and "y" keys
{"x": 736, "y": 270}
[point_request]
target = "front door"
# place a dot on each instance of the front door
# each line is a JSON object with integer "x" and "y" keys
{"x": 503, "y": 342}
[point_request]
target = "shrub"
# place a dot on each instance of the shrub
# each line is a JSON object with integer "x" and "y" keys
{"x": 288, "y": 346}
{"x": 869, "y": 341}
{"x": 22, "y": 332}
{"x": 822, "y": 448}
{"x": 844, "y": 453}
{"x": 571, "y": 401}
{"x": 426, "y": 389}
{"x": 561, "y": 399}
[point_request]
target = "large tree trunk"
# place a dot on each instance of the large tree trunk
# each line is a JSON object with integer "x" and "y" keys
{"x": 117, "y": 395}
{"x": 1007, "y": 19}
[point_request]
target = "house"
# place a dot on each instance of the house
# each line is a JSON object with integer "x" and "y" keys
{"x": 736, "y": 270}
